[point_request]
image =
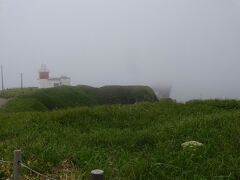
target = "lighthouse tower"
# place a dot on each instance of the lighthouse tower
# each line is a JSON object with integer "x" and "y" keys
{"x": 43, "y": 77}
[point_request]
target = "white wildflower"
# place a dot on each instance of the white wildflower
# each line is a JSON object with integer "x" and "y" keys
{"x": 191, "y": 144}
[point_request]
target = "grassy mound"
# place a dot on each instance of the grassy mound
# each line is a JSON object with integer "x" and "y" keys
{"x": 24, "y": 104}
{"x": 68, "y": 96}
{"x": 16, "y": 92}
{"x": 141, "y": 141}
{"x": 125, "y": 94}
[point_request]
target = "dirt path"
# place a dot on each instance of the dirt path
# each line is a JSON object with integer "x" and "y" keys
{"x": 3, "y": 102}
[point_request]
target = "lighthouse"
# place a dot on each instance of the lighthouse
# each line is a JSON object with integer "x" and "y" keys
{"x": 43, "y": 77}
{"x": 46, "y": 82}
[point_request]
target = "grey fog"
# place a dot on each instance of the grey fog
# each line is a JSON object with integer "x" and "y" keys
{"x": 191, "y": 45}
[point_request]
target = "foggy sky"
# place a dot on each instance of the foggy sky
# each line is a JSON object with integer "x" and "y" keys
{"x": 193, "y": 45}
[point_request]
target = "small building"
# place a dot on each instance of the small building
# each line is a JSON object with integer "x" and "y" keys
{"x": 59, "y": 81}
{"x": 46, "y": 82}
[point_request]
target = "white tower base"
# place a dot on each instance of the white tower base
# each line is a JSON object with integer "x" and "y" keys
{"x": 43, "y": 83}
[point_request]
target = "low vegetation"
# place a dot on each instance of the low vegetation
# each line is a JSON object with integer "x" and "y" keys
{"x": 68, "y": 96}
{"x": 16, "y": 92}
{"x": 140, "y": 141}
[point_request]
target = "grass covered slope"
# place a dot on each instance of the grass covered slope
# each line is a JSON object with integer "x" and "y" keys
{"x": 16, "y": 92}
{"x": 125, "y": 94}
{"x": 72, "y": 96}
{"x": 135, "y": 142}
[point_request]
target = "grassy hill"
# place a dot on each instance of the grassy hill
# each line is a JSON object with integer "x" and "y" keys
{"x": 135, "y": 142}
{"x": 15, "y": 92}
{"x": 69, "y": 96}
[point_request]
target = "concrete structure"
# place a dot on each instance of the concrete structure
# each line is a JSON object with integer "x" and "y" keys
{"x": 59, "y": 81}
{"x": 43, "y": 77}
{"x": 46, "y": 82}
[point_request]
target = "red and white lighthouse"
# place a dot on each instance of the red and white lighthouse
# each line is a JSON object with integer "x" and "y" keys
{"x": 46, "y": 82}
{"x": 43, "y": 77}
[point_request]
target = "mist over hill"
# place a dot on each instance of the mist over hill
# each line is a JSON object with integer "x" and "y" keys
{"x": 190, "y": 44}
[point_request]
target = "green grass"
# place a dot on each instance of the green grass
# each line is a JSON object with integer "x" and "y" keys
{"x": 24, "y": 104}
{"x": 72, "y": 96}
{"x": 16, "y": 92}
{"x": 140, "y": 141}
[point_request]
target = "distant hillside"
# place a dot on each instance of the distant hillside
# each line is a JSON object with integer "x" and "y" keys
{"x": 72, "y": 96}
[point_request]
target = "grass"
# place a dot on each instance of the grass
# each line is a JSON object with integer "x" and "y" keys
{"x": 16, "y": 92}
{"x": 69, "y": 96}
{"x": 140, "y": 141}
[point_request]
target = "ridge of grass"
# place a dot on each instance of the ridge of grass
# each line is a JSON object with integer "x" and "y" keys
{"x": 72, "y": 96}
